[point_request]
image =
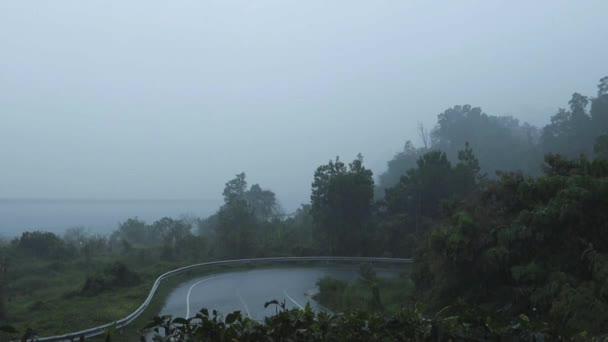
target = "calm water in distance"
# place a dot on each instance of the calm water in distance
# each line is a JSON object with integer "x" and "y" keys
{"x": 100, "y": 216}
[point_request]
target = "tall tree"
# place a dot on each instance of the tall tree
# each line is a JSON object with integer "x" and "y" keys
{"x": 236, "y": 220}
{"x": 412, "y": 204}
{"x": 235, "y": 188}
{"x": 501, "y": 142}
{"x": 3, "y": 287}
{"x": 599, "y": 108}
{"x": 570, "y": 132}
{"x": 421, "y": 190}
{"x": 263, "y": 202}
{"x": 602, "y": 87}
{"x": 236, "y": 229}
{"x": 341, "y": 206}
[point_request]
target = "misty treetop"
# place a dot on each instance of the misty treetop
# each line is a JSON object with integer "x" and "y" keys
{"x": 263, "y": 202}
{"x": 397, "y": 166}
{"x": 500, "y": 143}
{"x": 503, "y": 143}
{"x": 252, "y": 223}
{"x": 422, "y": 189}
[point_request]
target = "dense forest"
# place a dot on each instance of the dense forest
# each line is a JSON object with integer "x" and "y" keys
{"x": 506, "y": 223}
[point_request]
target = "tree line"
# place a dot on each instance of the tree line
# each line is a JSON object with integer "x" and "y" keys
{"x": 499, "y": 216}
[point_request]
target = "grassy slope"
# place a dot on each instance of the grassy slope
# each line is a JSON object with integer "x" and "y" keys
{"x": 44, "y": 294}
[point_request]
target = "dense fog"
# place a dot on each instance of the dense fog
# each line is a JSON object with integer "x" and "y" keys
{"x": 168, "y": 100}
{"x": 304, "y": 171}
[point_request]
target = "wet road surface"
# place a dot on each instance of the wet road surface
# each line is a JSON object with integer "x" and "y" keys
{"x": 247, "y": 291}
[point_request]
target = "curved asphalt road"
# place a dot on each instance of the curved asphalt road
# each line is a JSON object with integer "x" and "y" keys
{"x": 247, "y": 291}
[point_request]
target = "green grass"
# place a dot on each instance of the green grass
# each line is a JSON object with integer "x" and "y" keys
{"x": 44, "y": 295}
{"x": 342, "y": 296}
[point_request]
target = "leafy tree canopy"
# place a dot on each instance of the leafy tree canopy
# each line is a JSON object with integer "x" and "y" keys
{"x": 341, "y": 205}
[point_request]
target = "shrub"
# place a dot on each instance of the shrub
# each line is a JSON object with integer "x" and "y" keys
{"x": 330, "y": 291}
{"x": 43, "y": 245}
{"x": 114, "y": 276}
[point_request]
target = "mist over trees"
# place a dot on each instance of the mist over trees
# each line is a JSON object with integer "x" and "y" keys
{"x": 487, "y": 209}
{"x": 503, "y": 143}
{"x": 504, "y": 220}
{"x": 397, "y": 166}
{"x": 500, "y": 142}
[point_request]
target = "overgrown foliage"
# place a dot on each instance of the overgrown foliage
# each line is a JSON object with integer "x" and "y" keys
{"x": 369, "y": 292}
{"x": 536, "y": 246}
{"x": 112, "y": 277}
{"x": 306, "y": 325}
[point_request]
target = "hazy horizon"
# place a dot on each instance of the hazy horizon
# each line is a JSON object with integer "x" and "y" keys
{"x": 95, "y": 104}
{"x": 97, "y": 216}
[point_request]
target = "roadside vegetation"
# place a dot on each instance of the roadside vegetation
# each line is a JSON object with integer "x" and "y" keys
{"x": 49, "y": 294}
{"x": 306, "y": 325}
{"x": 506, "y": 223}
{"x": 369, "y": 292}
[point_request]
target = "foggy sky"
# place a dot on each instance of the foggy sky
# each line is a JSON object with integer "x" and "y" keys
{"x": 170, "y": 99}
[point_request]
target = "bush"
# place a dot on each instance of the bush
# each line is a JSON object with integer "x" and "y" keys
{"x": 330, "y": 291}
{"x": 114, "y": 276}
{"x": 43, "y": 245}
{"x": 369, "y": 292}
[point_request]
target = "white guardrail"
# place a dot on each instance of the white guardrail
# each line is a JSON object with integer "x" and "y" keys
{"x": 121, "y": 323}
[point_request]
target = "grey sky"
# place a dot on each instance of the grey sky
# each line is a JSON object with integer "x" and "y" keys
{"x": 169, "y": 99}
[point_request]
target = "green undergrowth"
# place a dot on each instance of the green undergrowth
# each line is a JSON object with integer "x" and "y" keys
{"x": 48, "y": 297}
{"x": 407, "y": 324}
{"x": 381, "y": 295}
